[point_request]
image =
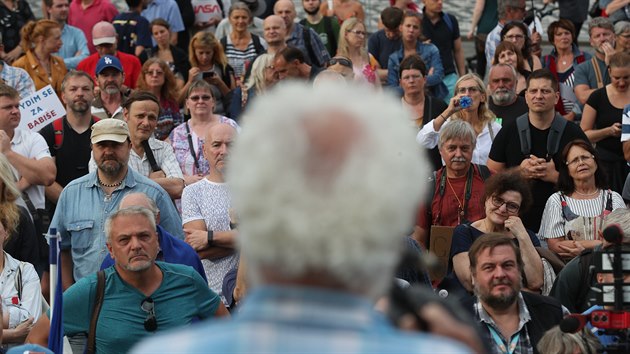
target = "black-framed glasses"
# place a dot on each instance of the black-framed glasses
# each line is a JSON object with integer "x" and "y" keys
{"x": 341, "y": 61}
{"x": 511, "y": 207}
{"x": 150, "y": 323}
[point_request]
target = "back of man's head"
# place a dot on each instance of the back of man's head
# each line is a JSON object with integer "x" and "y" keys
{"x": 619, "y": 217}
{"x": 334, "y": 191}
{"x": 391, "y": 17}
{"x": 292, "y": 53}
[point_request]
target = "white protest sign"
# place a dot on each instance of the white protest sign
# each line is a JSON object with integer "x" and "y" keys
{"x": 40, "y": 109}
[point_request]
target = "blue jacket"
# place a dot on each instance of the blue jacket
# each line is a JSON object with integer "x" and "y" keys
{"x": 430, "y": 54}
{"x": 173, "y": 250}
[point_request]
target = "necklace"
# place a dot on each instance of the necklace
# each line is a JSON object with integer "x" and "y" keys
{"x": 109, "y": 185}
{"x": 586, "y": 194}
{"x": 460, "y": 209}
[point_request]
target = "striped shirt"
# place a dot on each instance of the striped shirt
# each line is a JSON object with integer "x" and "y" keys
{"x": 240, "y": 59}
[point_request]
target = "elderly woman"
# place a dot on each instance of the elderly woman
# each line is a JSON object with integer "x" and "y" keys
{"x": 187, "y": 139}
{"x": 413, "y": 42}
{"x": 210, "y": 64}
{"x": 601, "y": 120}
{"x": 506, "y": 196}
{"x": 423, "y": 108}
{"x": 582, "y": 200}
{"x": 39, "y": 40}
{"x": 507, "y": 53}
{"x": 175, "y": 57}
{"x": 158, "y": 79}
{"x": 477, "y": 114}
{"x": 564, "y": 57}
{"x": 352, "y": 44}
{"x": 622, "y": 36}
{"x": 518, "y": 33}
{"x": 241, "y": 46}
{"x": 261, "y": 79}
{"x": 21, "y": 300}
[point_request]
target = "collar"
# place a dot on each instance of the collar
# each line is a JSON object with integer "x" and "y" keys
{"x": 523, "y": 313}
{"x": 18, "y": 136}
{"x": 153, "y": 144}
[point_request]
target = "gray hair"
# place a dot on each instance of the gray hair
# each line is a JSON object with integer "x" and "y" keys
{"x": 129, "y": 211}
{"x": 240, "y": 6}
{"x": 621, "y": 218}
{"x": 600, "y": 22}
{"x": 557, "y": 342}
{"x": 502, "y": 6}
{"x": 457, "y": 129}
{"x": 152, "y": 205}
{"x": 256, "y": 79}
{"x": 622, "y": 27}
{"x": 498, "y": 65}
{"x": 75, "y": 73}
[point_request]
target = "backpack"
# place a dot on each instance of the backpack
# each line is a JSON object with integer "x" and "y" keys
{"x": 553, "y": 139}
{"x": 58, "y": 131}
{"x": 329, "y": 32}
{"x": 449, "y": 22}
{"x": 258, "y": 47}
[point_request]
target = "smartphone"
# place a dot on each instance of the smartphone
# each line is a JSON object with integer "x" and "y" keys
{"x": 208, "y": 74}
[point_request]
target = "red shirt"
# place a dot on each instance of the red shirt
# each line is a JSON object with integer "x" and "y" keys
{"x": 131, "y": 66}
{"x": 445, "y": 209}
{"x": 85, "y": 19}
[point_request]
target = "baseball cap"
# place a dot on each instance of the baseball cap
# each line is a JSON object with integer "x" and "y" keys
{"x": 109, "y": 129}
{"x": 108, "y": 61}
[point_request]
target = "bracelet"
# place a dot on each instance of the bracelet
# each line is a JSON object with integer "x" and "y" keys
{"x": 210, "y": 237}
{"x": 441, "y": 116}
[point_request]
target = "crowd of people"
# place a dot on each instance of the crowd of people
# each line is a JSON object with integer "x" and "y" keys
{"x": 353, "y": 147}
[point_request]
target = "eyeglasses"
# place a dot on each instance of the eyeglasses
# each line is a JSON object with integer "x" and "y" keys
{"x": 341, "y": 61}
{"x": 511, "y": 207}
{"x": 203, "y": 98}
{"x": 464, "y": 90}
{"x": 358, "y": 33}
{"x": 580, "y": 159}
{"x": 154, "y": 72}
{"x": 514, "y": 36}
{"x": 150, "y": 323}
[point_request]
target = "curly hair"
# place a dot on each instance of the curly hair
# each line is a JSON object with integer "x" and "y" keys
{"x": 169, "y": 88}
{"x": 509, "y": 181}
{"x": 9, "y": 194}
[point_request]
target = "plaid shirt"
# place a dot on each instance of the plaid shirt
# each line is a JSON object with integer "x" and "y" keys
{"x": 17, "y": 78}
{"x": 523, "y": 345}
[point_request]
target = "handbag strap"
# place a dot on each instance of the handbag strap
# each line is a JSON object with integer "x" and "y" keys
{"x": 98, "y": 303}
{"x": 192, "y": 148}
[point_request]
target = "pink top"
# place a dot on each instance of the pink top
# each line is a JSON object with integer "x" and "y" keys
{"x": 85, "y": 19}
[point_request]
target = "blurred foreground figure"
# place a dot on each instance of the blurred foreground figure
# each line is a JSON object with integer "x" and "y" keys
{"x": 324, "y": 204}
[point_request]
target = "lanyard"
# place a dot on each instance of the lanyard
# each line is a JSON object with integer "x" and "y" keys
{"x": 468, "y": 193}
{"x": 500, "y": 343}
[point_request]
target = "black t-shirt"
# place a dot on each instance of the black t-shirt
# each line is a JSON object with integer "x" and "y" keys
{"x": 607, "y": 115}
{"x": 506, "y": 149}
{"x": 508, "y": 114}
{"x": 382, "y": 47}
{"x": 443, "y": 36}
{"x": 73, "y": 156}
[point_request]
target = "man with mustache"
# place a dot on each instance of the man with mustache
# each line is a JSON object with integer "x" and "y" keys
{"x": 512, "y": 320}
{"x": 206, "y": 205}
{"x": 86, "y": 202}
{"x": 593, "y": 74}
{"x": 457, "y": 188}
{"x": 109, "y": 77}
{"x": 504, "y": 102}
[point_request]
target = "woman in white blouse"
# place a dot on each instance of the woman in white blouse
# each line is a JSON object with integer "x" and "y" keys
{"x": 477, "y": 114}
{"x": 574, "y": 215}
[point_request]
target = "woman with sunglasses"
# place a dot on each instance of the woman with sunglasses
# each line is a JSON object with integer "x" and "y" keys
{"x": 582, "y": 199}
{"x": 158, "y": 79}
{"x": 352, "y": 44}
{"x": 506, "y": 196}
{"x": 468, "y": 88}
{"x": 187, "y": 138}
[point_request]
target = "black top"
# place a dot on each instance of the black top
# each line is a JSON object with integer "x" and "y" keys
{"x": 507, "y": 149}
{"x": 23, "y": 244}
{"x": 443, "y": 37}
{"x": 508, "y": 114}
{"x": 180, "y": 66}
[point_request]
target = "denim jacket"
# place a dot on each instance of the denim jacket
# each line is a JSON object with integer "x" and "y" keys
{"x": 431, "y": 57}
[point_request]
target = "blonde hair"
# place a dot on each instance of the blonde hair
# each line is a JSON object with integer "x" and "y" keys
{"x": 484, "y": 113}
{"x": 208, "y": 40}
{"x": 257, "y": 78}
{"x": 348, "y": 25}
{"x": 33, "y": 30}
{"x": 9, "y": 194}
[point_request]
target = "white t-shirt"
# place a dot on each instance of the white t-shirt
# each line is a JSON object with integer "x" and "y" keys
{"x": 33, "y": 146}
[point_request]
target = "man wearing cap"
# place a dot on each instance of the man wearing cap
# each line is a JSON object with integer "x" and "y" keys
{"x": 85, "y": 14}
{"x": 150, "y": 157}
{"x": 86, "y": 202}
{"x": 106, "y": 43}
{"x": 112, "y": 93}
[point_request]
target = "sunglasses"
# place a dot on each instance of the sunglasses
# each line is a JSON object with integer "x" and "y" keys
{"x": 150, "y": 323}
{"x": 154, "y": 72}
{"x": 203, "y": 98}
{"x": 341, "y": 61}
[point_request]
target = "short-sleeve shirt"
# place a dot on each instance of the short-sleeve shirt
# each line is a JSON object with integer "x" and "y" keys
{"x": 584, "y": 74}
{"x": 443, "y": 36}
{"x": 133, "y": 30}
{"x": 607, "y": 115}
{"x": 33, "y": 146}
{"x": 181, "y": 297}
{"x": 86, "y": 18}
{"x": 210, "y": 202}
{"x": 382, "y": 47}
{"x": 506, "y": 149}
{"x": 508, "y": 114}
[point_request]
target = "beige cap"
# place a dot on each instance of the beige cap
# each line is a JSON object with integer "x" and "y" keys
{"x": 109, "y": 129}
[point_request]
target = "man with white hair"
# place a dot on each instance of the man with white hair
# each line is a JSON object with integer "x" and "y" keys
{"x": 503, "y": 100}
{"x": 320, "y": 237}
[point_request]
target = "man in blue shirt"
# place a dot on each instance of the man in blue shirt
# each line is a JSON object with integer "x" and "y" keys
{"x": 74, "y": 47}
{"x": 168, "y": 10}
{"x": 86, "y": 202}
{"x": 322, "y": 237}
